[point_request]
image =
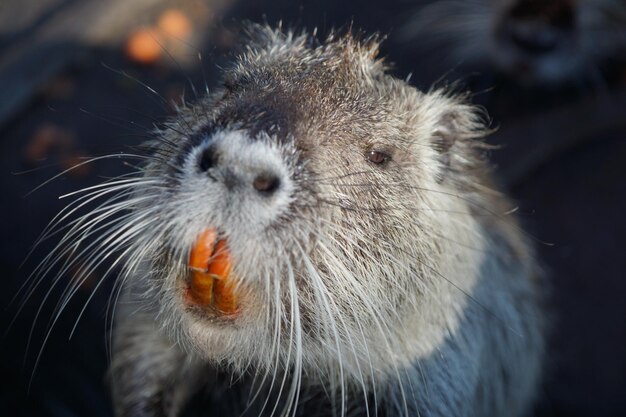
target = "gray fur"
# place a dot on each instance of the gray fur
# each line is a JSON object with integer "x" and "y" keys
{"x": 399, "y": 289}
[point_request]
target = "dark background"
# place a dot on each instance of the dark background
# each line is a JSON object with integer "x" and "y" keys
{"x": 69, "y": 91}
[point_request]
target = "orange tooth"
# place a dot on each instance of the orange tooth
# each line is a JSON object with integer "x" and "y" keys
{"x": 210, "y": 264}
{"x": 203, "y": 250}
{"x": 220, "y": 266}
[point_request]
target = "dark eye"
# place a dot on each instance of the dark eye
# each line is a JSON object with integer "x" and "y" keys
{"x": 377, "y": 157}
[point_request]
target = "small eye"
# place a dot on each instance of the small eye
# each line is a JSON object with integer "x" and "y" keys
{"x": 378, "y": 158}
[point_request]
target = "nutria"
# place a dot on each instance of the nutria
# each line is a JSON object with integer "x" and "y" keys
{"x": 538, "y": 43}
{"x": 317, "y": 237}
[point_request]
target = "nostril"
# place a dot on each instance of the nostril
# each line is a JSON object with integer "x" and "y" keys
{"x": 208, "y": 159}
{"x": 266, "y": 183}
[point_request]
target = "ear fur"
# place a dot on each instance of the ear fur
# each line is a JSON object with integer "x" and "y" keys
{"x": 457, "y": 134}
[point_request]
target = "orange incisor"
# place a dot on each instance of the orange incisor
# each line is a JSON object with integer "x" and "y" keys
{"x": 211, "y": 265}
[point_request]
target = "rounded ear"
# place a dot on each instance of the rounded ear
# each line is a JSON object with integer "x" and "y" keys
{"x": 457, "y": 134}
{"x": 444, "y": 136}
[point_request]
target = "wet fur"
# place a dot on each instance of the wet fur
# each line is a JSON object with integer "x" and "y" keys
{"x": 398, "y": 290}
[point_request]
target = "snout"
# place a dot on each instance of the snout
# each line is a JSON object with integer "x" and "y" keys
{"x": 537, "y": 38}
{"x": 244, "y": 165}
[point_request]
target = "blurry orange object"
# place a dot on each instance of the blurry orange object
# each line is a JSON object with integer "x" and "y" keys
{"x": 144, "y": 46}
{"x": 174, "y": 23}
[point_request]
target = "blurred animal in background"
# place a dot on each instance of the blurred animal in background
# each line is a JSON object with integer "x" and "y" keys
{"x": 533, "y": 42}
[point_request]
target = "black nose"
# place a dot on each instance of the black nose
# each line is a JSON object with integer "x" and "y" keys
{"x": 208, "y": 159}
{"x": 266, "y": 183}
{"x": 533, "y": 40}
{"x": 558, "y": 14}
{"x": 538, "y": 26}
